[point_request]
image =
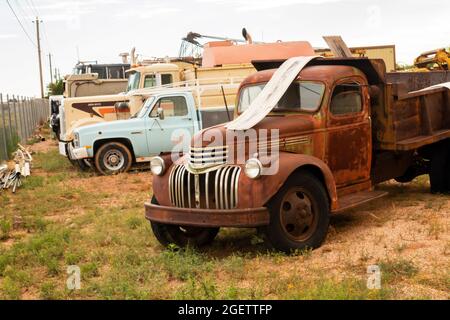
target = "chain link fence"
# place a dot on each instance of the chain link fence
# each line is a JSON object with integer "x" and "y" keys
{"x": 19, "y": 117}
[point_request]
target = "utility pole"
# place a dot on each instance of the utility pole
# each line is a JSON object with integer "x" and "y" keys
{"x": 51, "y": 71}
{"x": 39, "y": 55}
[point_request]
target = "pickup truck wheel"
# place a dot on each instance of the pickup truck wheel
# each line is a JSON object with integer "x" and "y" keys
{"x": 113, "y": 158}
{"x": 299, "y": 214}
{"x": 84, "y": 165}
{"x": 181, "y": 236}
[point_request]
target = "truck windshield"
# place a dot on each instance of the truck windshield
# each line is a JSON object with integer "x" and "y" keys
{"x": 133, "y": 81}
{"x": 300, "y": 96}
{"x": 147, "y": 104}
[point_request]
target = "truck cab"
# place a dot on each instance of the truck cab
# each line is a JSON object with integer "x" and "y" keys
{"x": 154, "y": 75}
{"x": 339, "y": 129}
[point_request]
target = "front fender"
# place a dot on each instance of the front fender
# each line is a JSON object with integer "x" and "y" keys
{"x": 81, "y": 123}
{"x": 256, "y": 193}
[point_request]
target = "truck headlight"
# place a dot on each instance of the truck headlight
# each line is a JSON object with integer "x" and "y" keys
{"x": 76, "y": 140}
{"x": 157, "y": 166}
{"x": 253, "y": 168}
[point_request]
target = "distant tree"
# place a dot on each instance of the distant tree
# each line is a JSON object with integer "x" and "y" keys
{"x": 404, "y": 67}
{"x": 56, "y": 88}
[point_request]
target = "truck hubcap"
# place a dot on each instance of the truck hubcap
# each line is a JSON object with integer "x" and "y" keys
{"x": 113, "y": 160}
{"x": 297, "y": 214}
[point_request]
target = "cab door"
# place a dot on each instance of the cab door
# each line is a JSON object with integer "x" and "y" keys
{"x": 162, "y": 133}
{"x": 349, "y": 141}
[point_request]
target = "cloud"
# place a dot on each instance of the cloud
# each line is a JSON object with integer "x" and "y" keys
{"x": 8, "y": 36}
{"x": 56, "y": 5}
{"x": 148, "y": 10}
{"x": 255, "y": 5}
{"x": 53, "y": 10}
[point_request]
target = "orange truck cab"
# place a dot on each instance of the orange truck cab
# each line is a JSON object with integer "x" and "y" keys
{"x": 342, "y": 126}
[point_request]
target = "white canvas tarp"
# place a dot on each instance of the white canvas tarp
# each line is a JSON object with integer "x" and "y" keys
{"x": 271, "y": 94}
{"x": 440, "y": 85}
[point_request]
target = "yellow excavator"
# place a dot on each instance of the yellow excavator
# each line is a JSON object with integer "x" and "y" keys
{"x": 438, "y": 59}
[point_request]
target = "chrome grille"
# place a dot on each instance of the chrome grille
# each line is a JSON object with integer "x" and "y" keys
{"x": 212, "y": 190}
{"x": 208, "y": 157}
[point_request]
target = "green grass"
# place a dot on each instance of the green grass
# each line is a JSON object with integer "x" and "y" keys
{"x": 5, "y": 228}
{"x": 62, "y": 218}
{"x": 11, "y": 142}
{"x": 394, "y": 269}
{"x": 52, "y": 161}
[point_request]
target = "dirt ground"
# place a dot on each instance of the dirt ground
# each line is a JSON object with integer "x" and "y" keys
{"x": 406, "y": 234}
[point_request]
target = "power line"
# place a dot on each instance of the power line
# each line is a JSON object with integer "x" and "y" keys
{"x": 33, "y": 7}
{"x": 49, "y": 47}
{"x": 21, "y": 25}
{"x": 25, "y": 18}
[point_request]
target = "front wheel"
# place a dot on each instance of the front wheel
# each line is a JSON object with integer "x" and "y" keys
{"x": 299, "y": 214}
{"x": 113, "y": 158}
{"x": 182, "y": 236}
{"x": 84, "y": 164}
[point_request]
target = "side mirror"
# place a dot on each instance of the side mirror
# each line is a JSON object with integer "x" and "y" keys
{"x": 122, "y": 106}
{"x": 160, "y": 113}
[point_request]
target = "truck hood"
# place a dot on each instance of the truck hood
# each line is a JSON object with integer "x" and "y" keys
{"x": 287, "y": 126}
{"x": 88, "y": 99}
{"x": 107, "y": 126}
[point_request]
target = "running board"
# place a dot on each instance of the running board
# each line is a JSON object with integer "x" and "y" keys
{"x": 357, "y": 199}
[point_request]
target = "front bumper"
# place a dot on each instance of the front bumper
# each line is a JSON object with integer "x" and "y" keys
{"x": 238, "y": 218}
{"x": 76, "y": 153}
{"x": 62, "y": 148}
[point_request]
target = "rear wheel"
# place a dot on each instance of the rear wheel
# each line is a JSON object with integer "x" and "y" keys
{"x": 182, "y": 236}
{"x": 299, "y": 214}
{"x": 113, "y": 158}
{"x": 439, "y": 170}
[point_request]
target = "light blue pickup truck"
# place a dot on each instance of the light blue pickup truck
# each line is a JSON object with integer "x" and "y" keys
{"x": 113, "y": 147}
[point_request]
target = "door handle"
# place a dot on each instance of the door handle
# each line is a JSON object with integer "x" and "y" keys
{"x": 190, "y": 119}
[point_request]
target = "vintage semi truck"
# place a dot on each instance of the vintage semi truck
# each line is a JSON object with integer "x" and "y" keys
{"x": 343, "y": 126}
{"x": 89, "y": 79}
{"x": 93, "y": 79}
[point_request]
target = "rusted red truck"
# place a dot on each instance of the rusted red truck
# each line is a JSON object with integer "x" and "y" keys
{"x": 345, "y": 125}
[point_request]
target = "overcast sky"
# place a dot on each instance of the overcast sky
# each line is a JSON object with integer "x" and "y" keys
{"x": 102, "y": 29}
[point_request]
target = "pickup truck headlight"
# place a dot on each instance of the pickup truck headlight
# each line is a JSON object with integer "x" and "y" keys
{"x": 253, "y": 168}
{"x": 76, "y": 140}
{"x": 157, "y": 166}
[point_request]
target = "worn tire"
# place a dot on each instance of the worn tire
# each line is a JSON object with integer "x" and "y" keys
{"x": 439, "y": 170}
{"x": 113, "y": 151}
{"x": 299, "y": 214}
{"x": 168, "y": 234}
{"x": 80, "y": 164}
{"x": 84, "y": 165}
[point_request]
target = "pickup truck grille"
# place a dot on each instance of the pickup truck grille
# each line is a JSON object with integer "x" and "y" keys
{"x": 208, "y": 157}
{"x": 212, "y": 190}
